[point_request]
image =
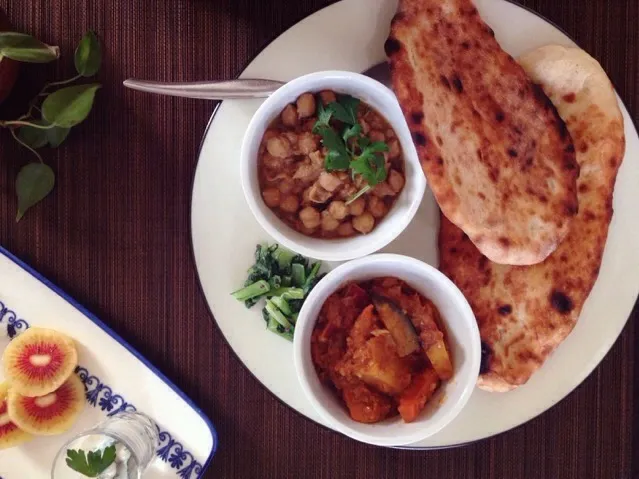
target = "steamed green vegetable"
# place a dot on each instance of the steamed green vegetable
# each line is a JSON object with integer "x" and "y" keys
{"x": 284, "y": 279}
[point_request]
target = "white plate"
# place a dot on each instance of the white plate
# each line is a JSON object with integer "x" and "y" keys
{"x": 225, "y": 233}
{"x": 117, "y": 379}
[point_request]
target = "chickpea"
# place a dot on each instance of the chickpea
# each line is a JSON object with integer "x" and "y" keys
{"x": 328, "y": 222}
{"x": 271, "y": 197}
{"x": 327, "y": 96}
{"x": 383, "y": 189}
{"x": 310, "y": 217}
{"x": 329, "y": 181}
{"x": 304, "y": 230}
{"x": 269, "y": 134}
{"x": 307, "y": 143}
{"x": 306, "y": 105}
{"x": 394, "y": 149}
{"x": 308, "y": 125}
{"x": 298, "y": 188}
{"x": 376, "y": 206}
{"x": 365, "y": 126}
{"x": 364, "y": 223}
{"x": 376, "y": 121}
{"x": 289, "y": 115}
{"x": 271, "y": 162}
{"x": 290, "y": 204}
{"x": 346, "y": 229}
{"x": 347, "y": 191}
{"x": 342, "y": 175}
{"x": 395, "y": 180}
{"x": 286, "y": 186}
{"x": 291, "y": 136}
{"x": 279, "y": 147}
{"x": 357, "y": 207}
{"x": 306, "y": 196}
{"x": 376, "y": 135}
{"x": 338, "y": 210}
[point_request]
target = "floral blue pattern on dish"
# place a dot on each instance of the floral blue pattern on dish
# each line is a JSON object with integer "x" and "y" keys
{"x": 99, "y": 395}
{"x": 13, "y": 325}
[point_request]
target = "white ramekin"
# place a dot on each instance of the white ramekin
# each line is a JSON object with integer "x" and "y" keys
{"x": 398, "y": 218}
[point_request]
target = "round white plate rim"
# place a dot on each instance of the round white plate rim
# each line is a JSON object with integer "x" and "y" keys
{"x": 603, "y": 348}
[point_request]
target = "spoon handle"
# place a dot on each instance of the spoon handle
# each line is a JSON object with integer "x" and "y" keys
{"x": 215, "y": 90}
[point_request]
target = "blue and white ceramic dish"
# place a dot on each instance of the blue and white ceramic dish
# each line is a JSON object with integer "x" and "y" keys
{"x": 116, "y": 377}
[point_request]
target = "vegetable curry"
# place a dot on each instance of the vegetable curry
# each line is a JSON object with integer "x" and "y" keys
{"x": 330, "y": 166}
{"x": 381, "y": 346}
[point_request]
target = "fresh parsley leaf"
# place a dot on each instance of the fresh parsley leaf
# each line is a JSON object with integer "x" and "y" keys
{"x": 363, "y": 142}
{"x": 337, "y": 161}
{"x": 92, "y": 464}
{"x": 323, "y": 118}
{"x": 351, "y": 132}
{"x": 338, "y": 157}
{"x": 331, "y": 140}
{"x": 370, "y": 163}
{"x": 340, "y": 113}
{"x": 350, "y": 104}
{"x": 377, "y": 147}
{"x": 344, "y": 109}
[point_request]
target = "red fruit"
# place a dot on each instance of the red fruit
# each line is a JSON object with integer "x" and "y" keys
{"x": 51, "y": 414}
{"x": 10, "y": 434}
{"x": 38, "y": 361}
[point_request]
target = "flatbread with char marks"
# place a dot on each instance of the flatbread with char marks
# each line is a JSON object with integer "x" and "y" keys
{"x": 496, "y": 154}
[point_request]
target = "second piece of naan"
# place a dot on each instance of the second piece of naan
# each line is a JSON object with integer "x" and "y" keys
{"x": 525, "y": 312}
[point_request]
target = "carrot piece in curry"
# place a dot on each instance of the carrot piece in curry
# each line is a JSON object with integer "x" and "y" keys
{"x": 414, "y": 398}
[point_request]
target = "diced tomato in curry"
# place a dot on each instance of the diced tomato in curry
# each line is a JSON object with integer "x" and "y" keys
{"x": 380, "y": 345}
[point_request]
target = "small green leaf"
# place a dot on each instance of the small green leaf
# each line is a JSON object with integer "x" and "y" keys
{"x": 338, "y": 157}
{"x": 345, "y": 109}
{"x": 69, "y": 106}
{"x": 92, "y": 464}
{"x": 331, "y": 140}
{"x": 363, "y": 142}
{"x": 377, "y": 147}
{"x": 24, "y": 48}
{"x": 352, "y": 132}
{"x": 336, "y": 161}
{"x": 370, "y": 164}
{"x": 34, "y": 182}
{"x": 34, "y": 137}
{"x": 323, "y": 117}
{"x": 88, "y": 55}
{"x": 56, "y": 135}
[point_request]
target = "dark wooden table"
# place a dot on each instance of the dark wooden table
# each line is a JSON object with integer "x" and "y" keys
{"x": 115, "y": 235}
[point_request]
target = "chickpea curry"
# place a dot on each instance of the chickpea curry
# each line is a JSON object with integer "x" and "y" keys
{"x": 330, "y": 166}
{"x": 381, "y": 346}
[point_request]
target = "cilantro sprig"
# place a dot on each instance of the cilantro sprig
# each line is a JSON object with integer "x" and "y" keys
{"x": 350, "y": 149}
{"x": 92, "y": 464}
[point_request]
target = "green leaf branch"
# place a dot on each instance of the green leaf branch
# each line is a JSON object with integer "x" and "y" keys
{"x": 52, "y": 113}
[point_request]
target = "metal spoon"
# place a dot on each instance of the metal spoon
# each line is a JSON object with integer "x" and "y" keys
{"x": 233, "y": 89}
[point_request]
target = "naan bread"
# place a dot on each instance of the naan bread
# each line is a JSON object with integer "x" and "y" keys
{"x": 496, "y": 154}
{"x": 525, "y": 312}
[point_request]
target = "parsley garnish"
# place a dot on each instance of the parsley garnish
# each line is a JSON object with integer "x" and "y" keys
{"x": 362, "y": 156}
{"x": 370, "y": 164}
{"x": 92, "y": 464}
